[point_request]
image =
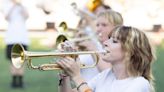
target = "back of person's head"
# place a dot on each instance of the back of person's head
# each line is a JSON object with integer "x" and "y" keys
{"x": 113, "y": 17}
{"x": 139, "y": 53}
{"x": 106, "y": 7}
{"x": 103, "y": 7}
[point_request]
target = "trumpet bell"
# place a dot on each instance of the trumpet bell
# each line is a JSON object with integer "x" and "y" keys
{"x": 17, "y": 56}
{"x": 61, "y": 38}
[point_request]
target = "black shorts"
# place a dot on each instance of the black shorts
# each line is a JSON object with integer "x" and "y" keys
{"x": 8, "y": 50}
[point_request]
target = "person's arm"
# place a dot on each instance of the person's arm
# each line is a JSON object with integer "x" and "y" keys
{"x": 7, "y": 15}
{"x": 88, "y": 17}
{"x": 72, "y": 68}
{"x": 64, "y": 83}
{"x": 88, "y": 45}
{"x": 24, "y": 12}
{"x": 81, "y": 84}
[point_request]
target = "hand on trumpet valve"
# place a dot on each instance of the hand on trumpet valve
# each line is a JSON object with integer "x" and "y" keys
{"x": 68, "y": 46}
{"x": 70, "y": 66}
{"x": 80, "y": 34}
{"x": 88, "y": 44}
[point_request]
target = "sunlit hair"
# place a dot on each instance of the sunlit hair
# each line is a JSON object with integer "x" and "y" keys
{"x": 113, "y": 17}
{"x": 139, "y": 53}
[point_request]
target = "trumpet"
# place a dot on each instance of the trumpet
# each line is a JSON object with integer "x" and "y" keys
{"x": 19, "y": 56}
{"x": 62, "y": 38}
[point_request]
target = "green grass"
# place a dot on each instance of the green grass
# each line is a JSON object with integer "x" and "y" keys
{"x": 47, "y": 81}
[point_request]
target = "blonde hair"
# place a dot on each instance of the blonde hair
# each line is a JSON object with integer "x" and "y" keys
{"x": 139, "y": 53}
{"x": 113, "y": 17}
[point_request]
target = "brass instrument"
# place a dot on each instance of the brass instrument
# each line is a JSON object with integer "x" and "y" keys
{"x": 62, "y": 38}
{"x": 63, "y": 35}
{"x": 76, "y": 41}
{"x": 19, "y": 56}
{"x": 93, "y": 4}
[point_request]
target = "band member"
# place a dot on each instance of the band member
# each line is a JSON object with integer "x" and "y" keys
{"x": 16, "y": 15}
{"x": 105, "y": 22}
{"x": 129, "y": 51}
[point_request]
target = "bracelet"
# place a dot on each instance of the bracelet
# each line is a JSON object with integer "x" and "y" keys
{"x": 78, "y": 87}
{"x": 88, "y": 90}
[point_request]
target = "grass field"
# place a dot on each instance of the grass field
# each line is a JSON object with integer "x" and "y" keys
{"x": 47, "y": 81}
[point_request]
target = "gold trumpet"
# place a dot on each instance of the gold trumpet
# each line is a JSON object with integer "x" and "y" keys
{"x": 62, "y": 38}
{"x": 19, "y": 56}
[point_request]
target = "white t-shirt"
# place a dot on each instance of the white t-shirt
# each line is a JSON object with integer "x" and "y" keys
{"x": 16, "y": 32}
{"x": 107, "y": 82}
{"x": 88, "y": 73}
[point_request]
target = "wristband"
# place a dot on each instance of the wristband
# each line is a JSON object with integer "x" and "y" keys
{"x": 83, "y": 83}
{"x": 88, "y": 90}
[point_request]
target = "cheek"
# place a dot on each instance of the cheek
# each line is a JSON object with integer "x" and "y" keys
{"x": 103, "y": 37}
{"x": 108, "y": 30}
{"x": 104, "y": 34}
{"x": 119, "y": 54}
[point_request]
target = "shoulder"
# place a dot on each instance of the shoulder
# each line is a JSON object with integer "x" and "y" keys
{"x": 140, "y": 84}
{"x": 141, "y": 81}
